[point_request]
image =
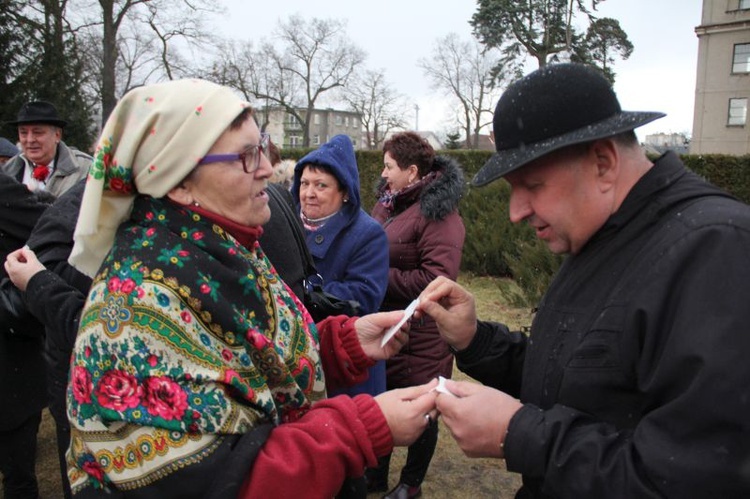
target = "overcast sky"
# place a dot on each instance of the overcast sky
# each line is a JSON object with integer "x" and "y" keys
{"x": 659, "y": 76}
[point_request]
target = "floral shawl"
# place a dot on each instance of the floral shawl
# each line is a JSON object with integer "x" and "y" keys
{"x": 187, "y": 337}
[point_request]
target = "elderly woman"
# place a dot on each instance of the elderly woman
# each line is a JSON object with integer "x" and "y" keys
{"x": 196, "y": 371}
{"x": 418, "y": 206}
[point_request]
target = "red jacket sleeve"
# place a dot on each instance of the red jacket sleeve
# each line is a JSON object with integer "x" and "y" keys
{"x": 344, "y": 362}
{"x": 311, "y": 457}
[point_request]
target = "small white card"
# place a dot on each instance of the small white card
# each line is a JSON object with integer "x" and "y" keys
{"x": 408, "y": 312}
{"x": 441, "y": 387}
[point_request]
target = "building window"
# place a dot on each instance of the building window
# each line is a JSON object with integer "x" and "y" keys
{"x": 316, "y": 140}
{"x": 316, "y": 119}
{"x": 338, "y": 119}
{"x": 294, "y": 141}
{"x": 737, "y": 112}
{"x": 744, "y": 4}
{"x": 741, "y": 59}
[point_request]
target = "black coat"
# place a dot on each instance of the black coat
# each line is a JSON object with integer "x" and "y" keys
{"x": 57, "y": 303}
{"x": 22, "y": 371}
{"x": 278, "y": 241}
{"x": 635, "y": 378}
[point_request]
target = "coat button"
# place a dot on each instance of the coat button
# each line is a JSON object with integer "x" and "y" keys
{"x": 319, "y": 238}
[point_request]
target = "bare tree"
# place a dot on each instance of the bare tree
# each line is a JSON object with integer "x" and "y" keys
{"x": 462, "y": 70}
{"x": 140, "y": 31}
{"x": 315, "y": 57}
{"x": 46, "y": 64}
{"x": 381, "y": 107}
{"x": 234, "y": 66}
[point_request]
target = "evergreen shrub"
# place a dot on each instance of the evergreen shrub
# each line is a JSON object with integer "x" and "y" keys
{"x": 496, "y": 247}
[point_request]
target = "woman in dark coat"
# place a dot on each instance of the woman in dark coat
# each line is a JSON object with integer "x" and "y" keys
{"x": 418, "y": 207}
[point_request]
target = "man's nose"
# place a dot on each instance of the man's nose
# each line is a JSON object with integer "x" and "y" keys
{"x": 519, "y": 208}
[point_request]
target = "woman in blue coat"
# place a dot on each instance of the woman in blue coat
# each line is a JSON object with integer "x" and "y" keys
{"x": 349, "y": 248}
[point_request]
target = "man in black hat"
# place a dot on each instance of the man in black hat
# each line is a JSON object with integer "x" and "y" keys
{"x": 45, "y": 162}
{"x": 634, "y": 379}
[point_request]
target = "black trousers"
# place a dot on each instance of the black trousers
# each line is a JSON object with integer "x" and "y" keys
{"x": 417, "y": 459}
{"x": 18, "y": 459}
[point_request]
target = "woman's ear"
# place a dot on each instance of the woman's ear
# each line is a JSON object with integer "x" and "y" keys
{"x": 180, "y": 194}
{"x": 413, "y": 173}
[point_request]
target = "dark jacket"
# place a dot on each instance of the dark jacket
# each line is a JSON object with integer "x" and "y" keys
{"x": 277, "y": 241}
{"x": 426, "y": 238}
{"x": 71, "y": 165}
{"x": 22, "y": 372}
{"x": 635, "y": 380}
{"x": 52, "y": 241}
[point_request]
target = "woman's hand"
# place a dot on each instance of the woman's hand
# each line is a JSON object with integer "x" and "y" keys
{"x": 371, "y": 329}
{"x": 21, "y": 265}
{"x": 406, "y": 411}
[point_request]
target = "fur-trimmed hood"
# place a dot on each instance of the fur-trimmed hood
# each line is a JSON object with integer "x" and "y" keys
{"x": 438, "y": 193}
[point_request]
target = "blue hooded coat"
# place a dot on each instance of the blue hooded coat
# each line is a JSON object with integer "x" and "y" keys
{"x": 351, "y": 249}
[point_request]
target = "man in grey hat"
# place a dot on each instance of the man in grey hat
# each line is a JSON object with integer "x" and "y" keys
{"x": 46, "y": 162}
{"x": 634, "y": 379}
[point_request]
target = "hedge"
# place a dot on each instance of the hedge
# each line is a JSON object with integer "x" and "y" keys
{"x": 496, "y": 247}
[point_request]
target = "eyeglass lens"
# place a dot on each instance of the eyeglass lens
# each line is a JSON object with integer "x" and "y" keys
{"x": 251, "y": 157}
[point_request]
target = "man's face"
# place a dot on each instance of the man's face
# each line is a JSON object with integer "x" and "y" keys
{"x": 39, "y": 141}
{"x": 560, "y": 196}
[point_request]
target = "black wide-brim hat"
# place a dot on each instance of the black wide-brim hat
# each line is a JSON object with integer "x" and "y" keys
{"x": 556, "y": 106}
{"x": 39, "y": 112}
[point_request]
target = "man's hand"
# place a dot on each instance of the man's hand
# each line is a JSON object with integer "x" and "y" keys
{"x": 371, "y": 329}
{"x": 406, "y": 409}
{"x": 453, "y": 309}
{"x": 21, "y": 265}
{"x": 477, "y": 416}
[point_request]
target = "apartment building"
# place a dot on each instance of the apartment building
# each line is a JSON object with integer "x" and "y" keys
{"x": 286, "y": 131}
{"x": 722, "y": 91}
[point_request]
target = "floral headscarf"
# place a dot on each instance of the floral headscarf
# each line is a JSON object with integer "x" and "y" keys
{"x": 154, "y": 137}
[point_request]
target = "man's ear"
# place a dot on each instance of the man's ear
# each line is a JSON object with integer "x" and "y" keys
{"x": 607, "y": 163}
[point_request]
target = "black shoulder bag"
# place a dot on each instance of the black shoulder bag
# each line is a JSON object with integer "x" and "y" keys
{"x": 318, "y": 302}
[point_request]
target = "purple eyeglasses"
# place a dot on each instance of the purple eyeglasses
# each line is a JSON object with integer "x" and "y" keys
{"x": 250, "y": 157}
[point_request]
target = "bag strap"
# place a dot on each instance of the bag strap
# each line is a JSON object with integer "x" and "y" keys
{"x": 299, "y": 236}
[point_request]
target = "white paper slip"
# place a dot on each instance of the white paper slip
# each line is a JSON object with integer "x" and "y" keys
{"x": 441, "y": 387}
{"x": 407, "y": 315}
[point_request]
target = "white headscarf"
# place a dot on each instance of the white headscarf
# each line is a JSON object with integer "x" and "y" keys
{"x": 154, "y": 137}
